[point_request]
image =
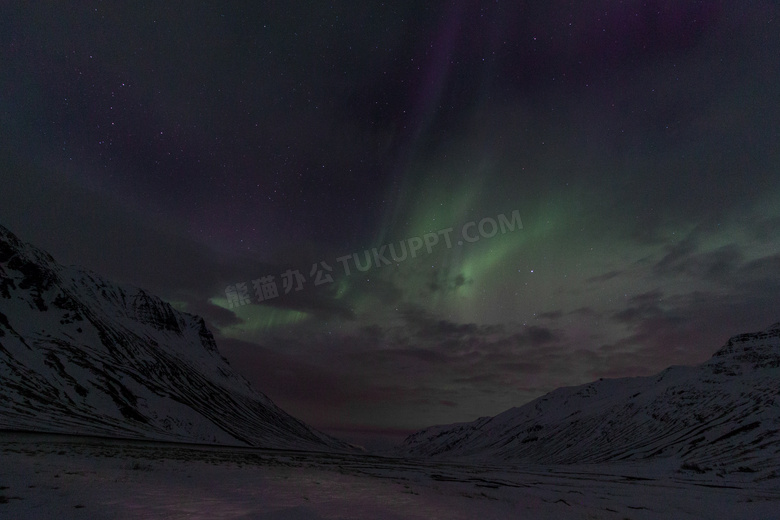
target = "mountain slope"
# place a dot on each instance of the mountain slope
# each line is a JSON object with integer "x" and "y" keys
{"x": 723, "y": 413}
{"x": 81, "y": 355}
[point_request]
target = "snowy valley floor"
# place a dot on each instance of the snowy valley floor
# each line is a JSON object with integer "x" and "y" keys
{"x": 49, "y": 476}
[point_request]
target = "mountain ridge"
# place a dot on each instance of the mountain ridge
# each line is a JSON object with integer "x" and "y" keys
{"x": 82, "y": 355}
{"x": 723, "y": 413}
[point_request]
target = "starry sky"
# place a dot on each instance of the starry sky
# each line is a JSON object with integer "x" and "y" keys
{"x": 614, "y": 166}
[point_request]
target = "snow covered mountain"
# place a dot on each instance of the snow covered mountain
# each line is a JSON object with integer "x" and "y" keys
{"x": 724, "y": 413}
{"x": 81, "y": 355}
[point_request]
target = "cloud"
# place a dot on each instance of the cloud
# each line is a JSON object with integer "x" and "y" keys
{"x": 534, "y": 336}
{"x": 320, "y": 301}
{"x": 642, "y": 307}
{"x": 715, "y": 265}
{"x": 605, "y": 277}
{"x": 427, "y": 326}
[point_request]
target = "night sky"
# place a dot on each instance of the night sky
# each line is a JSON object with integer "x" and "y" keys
{"x": 190, "y": 147}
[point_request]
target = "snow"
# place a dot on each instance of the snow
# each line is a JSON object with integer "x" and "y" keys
{"x": 45, "y": 476}
{"x": 79, "y": 354}
{"x": 723, "y": 416}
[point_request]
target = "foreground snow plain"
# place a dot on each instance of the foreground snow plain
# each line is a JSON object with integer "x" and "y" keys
{"x": 54, "y": 476}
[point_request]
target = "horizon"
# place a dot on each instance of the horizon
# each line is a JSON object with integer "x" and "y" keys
{"x": 462, "y": 208}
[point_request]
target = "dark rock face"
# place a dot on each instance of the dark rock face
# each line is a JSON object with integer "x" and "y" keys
{"x": 81, "y": 355}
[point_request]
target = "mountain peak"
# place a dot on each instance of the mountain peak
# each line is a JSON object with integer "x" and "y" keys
{"x": 755, "y": 349}
{"x": 14, "y": 249}
{"x": 721, "y": 413}
{"x": 82, "y": 355}
{"x": 151, "y": 310}
{"x": 775, "y": 327}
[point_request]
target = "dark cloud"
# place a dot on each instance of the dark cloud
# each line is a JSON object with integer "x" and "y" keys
{"x": 604, "y": 277}
{"x": 716, "y": 265}
{"x": 521, "y": 366}
{"x": 765, "y": 271}
{"x": 534, "y": 336}
{"x": 677, "y": 252}
{"x": 585, "y": 311}
{"x": 428, "y": 327}
{"x": 642, "y": 307}
{"x": 421, "y": 355}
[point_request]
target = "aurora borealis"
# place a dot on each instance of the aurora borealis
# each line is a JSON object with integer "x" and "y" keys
{"x": 186, "y": 148}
